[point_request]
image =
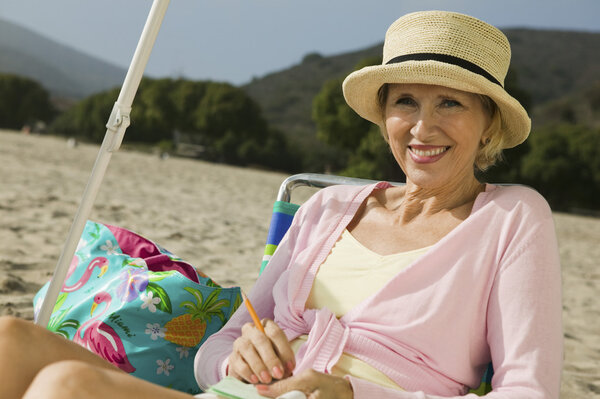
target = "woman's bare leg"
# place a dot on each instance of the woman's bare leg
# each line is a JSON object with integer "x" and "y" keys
{"x": 76, "y": 379}
{"x": 26, "y": 349}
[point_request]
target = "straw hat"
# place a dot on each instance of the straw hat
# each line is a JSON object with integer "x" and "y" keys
{"x": 446, "y": 49}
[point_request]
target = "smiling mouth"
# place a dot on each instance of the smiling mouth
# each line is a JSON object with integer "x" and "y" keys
{"x": 431, "y": 152}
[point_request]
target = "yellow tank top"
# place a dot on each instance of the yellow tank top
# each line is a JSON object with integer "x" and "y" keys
{"x": 349, "y": 275}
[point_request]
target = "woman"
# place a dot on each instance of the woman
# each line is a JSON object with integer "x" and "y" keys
{"x": 381, "y": 291}
{"x": 384, "y": 291}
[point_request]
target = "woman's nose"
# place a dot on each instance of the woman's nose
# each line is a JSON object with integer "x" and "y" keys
{"x": 423, "y": 127}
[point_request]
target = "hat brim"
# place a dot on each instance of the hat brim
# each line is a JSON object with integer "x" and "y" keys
{"x": 361, "y": 92}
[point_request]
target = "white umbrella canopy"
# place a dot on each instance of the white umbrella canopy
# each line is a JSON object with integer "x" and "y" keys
{"x": 118, "y": 122}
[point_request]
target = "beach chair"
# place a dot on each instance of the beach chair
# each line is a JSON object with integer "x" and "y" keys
{"x": 283, "y": 214}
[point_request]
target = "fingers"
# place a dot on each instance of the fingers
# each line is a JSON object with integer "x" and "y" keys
{"x": 280, "y": 388}
{"x": 245, "y": 359}
{"x": 312, "y": 384}
{"x": 286, "y": 360}
{"x": 238, "y": 368}
{"x": 259, "y": 357}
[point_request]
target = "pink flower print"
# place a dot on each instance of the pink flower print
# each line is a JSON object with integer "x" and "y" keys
{"x": 133, "y": 281}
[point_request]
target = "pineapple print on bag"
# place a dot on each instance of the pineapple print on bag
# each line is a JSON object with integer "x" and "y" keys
{"x": 189, "y": 329}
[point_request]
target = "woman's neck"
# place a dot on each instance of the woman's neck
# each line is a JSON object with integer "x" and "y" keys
{"x": 454, "y": 197}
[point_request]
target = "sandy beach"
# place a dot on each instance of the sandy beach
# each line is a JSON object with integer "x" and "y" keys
{"x": 215, "y": 217}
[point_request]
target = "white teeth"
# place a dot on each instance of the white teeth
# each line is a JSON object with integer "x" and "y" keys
{"x": 429, "y": 153}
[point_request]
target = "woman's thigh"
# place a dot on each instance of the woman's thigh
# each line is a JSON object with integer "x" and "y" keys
{"x": 37, "y": 343}
{"x": 77, "y": 379}
{"x": 27, "y": 348}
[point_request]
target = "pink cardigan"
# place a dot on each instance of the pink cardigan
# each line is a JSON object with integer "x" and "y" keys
{"x": 489, "y": 290}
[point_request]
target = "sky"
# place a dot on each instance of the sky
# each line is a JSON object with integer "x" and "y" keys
{"x": 236, "y": 40}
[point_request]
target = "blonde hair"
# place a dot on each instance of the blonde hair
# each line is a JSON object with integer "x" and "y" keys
{"x": 489, "y": 152}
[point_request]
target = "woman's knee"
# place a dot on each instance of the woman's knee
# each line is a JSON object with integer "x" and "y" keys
{"x": 18, "y": 336}
{"x": 12, "y": 325}
{"x": 13, "y": 332}
{"x": 65, "y": 379}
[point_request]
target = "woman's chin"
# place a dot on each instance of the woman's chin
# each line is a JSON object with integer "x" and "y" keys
{"x": 425, "y": 179}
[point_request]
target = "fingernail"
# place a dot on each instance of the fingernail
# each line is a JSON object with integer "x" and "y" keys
{"x": 262, "y": 388}
{"x": 277, "y": 372}
{"x": 290, "y": 366}
{"x": 254, "y": 379}
{"x": 265, "y": 377}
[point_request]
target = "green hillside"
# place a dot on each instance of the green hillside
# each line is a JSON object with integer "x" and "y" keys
{"x": 581, "y": 107}
{"x": 286, "y": 96}
{"x": 552, "y": 64}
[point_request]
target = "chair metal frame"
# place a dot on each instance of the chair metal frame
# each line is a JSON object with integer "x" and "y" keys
{"x": 320, "y": 181}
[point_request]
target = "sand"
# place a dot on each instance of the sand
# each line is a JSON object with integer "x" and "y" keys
{"x": 216, "y": 217}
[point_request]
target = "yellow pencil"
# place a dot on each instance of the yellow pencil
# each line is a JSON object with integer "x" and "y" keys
{"x": 253, "y": 314}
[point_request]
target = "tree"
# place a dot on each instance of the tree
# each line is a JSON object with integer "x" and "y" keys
{"x": 373, "y": 159}
{"x": 508, "y": 170}
{"x": 23, "y": 101}
{"x": 366, "y": 153}
{"x": 87, "y": 119}
{"x": 337, "y": 123}
{"x": 564, "y": 166}
{"x": 153, "y": 112}
{"x": 185, "y": 96}
{"x": 231, "y": 123}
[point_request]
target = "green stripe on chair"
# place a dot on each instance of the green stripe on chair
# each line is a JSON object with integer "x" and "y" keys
{"x": 270, "y": 249}
{"x": 285, "y": 207}
{"x": 283, "y": 213}
{"x": 483, "y": 389}
{"x": 486, "y": 382}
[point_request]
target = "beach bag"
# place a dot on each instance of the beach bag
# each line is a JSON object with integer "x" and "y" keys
{"x": 139, "y": 306}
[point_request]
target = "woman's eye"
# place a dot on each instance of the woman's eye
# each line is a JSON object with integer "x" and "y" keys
{"x": 405, "y": 101}
{"x": 448, "y": 103}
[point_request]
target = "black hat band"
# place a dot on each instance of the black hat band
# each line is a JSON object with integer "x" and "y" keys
{"x": 448, "y": 59}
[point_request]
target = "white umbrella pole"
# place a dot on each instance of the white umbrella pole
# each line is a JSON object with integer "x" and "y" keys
{"x": 115, "y": 130}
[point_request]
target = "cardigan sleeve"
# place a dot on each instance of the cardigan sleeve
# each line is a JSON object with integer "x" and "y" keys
{"x": 211, "y": 359}
{"x": 525, "y": 317}
{"x": 210, "y": 362}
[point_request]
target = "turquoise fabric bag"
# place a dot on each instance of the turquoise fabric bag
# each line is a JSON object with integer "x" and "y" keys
{"x": 138, "y": 306}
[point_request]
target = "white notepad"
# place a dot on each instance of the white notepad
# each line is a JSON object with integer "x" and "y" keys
{"x": 233, "y": 388}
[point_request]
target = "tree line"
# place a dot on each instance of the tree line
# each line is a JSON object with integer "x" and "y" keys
{"x": 561, "y": 159}
{"x": 217, "y": 117}
{"x": 23, "y": 101}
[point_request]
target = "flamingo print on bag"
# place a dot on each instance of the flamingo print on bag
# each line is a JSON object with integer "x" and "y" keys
{"x": 99, "y": 262}
{"x": 101, "y": 338}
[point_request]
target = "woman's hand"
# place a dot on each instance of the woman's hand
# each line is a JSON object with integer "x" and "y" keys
{"x": 259, "y": 357}
{"x": 315, "y": 385}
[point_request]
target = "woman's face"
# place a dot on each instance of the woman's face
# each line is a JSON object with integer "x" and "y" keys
{"x": 434, "y": 132}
